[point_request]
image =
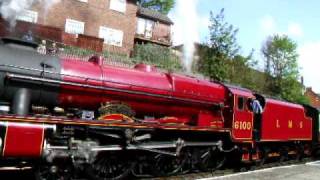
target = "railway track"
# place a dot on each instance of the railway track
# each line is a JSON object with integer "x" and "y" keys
{"x": 229, "y": 171}
{"x": 22, "y": 174}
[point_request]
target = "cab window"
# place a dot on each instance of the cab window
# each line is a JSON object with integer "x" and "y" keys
{"x": 241, "y": 103}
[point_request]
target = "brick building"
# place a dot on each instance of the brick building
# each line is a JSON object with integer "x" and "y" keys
{"x": 313, "y": 97}
{"x": 154, "y": 27}
{"x": 112, "y": 24}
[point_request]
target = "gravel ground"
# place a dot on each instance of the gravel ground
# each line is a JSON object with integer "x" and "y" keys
{"x": 308, "y": 171}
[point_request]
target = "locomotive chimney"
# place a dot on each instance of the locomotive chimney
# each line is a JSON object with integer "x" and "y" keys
{"x": 21, "y": 102}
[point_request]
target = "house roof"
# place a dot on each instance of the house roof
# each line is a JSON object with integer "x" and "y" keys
{"x": 310, "y": 90}
{"x": 154, "y": 15}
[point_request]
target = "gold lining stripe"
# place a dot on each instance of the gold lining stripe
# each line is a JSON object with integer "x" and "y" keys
{"x": 5, "y": 139}
{"x": 42, "y": 139}
{"x": 70, "y": 122}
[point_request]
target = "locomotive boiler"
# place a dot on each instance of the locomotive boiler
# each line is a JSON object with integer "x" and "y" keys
{"x": 30, "y": 78}
{"x": 75, "y": 118}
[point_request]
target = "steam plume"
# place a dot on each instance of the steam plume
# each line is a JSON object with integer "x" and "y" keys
{"x": 188, "y": 20}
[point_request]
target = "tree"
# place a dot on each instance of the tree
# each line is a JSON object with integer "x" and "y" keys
{"x": 222, "y": 46}
{"x": 282, "y": 69}
{"x": 240, "y": 72}
{"x": 163, "y": 6}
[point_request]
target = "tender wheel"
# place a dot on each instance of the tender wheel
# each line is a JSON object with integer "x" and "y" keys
{"x": 110, "y": 167}
{"x": 264, "y": 157}
{"x": 315, "y": 154}
{"x": 300, "y": 153}
{"x": 283, "y": 156}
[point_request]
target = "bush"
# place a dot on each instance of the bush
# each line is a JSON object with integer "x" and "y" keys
{"x": 78, "y": 51}
{"x": 159, "y": 56}
{"x": 118, "y": 57}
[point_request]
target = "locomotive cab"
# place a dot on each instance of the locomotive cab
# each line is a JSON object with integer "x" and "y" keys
{"x": 314, "y": 114}
{"x": 243, "y": 117}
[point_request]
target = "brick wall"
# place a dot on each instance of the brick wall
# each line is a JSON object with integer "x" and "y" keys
{"x": 162, "y": 32}
{"x": 46, "y": 32}
{"x": 313, "y": 97}
{"x": 90, "y": 42}
{"x": 52, "y": 33}
{"x": 39, "y": 31}
{"x": 4, "y": 28}
{"x": 95, "y": 13}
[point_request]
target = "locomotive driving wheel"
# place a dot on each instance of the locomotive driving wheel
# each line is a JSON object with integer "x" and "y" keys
{"x": 166, "y": 165}
{"x": 211, "y": 159}
{"x": 110, "y": 167}
{"x": 47, "y": 171}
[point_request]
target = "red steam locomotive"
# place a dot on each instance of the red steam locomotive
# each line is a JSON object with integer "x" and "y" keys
{"x": 68, "y": 118}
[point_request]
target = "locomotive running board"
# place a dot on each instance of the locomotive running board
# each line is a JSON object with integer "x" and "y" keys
{"x": 151, "y": 147}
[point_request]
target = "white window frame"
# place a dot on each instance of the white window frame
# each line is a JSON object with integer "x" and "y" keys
{"x": 111, "y": 36}
{"x": 145, "y": 27}
{"x": 28, "y": 16}
{"x": 118, "y": 5}
{"x": 74, "y": 23}
{"x": 141, "y": 26}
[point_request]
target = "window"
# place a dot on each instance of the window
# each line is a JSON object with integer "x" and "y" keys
{"x": 241, "y": 102}
{"x": 28, "y": 16}
{"x": 74, "y": 27}
{"x": 111, "y": 36}
{"x": 83, "y": 0}
{"x": 118, "y": 5}
{"x": 141, "y": 26}
{"x": 145, "y": 27}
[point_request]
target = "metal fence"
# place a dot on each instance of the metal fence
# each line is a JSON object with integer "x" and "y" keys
{"x": 113, "y": 61}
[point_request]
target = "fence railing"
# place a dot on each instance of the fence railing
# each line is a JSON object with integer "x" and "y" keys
{"x": 113, "y": 61}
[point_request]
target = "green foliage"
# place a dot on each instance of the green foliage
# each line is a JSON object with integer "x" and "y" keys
{"x": 211, "y": 64}
{"x": 77, "y": 51}
{"x": 282, "y": 69}
{"x": 292, "y": 91}
{"x": 240, "y": 72}
{"x": 118, "y": 57}
{"x": 223, "y": 35}
{"x": 163, "y": 6}
{"x": 159, "y": 56}
{"x": 219, "y": 59}
{"x": 222, "y": 47}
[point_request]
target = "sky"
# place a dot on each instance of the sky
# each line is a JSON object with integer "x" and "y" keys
{"x": 256, "y": 20}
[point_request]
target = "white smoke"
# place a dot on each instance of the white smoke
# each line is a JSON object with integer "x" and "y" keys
{"x": 187, "y": 22}
{"x": 11, "y": 9}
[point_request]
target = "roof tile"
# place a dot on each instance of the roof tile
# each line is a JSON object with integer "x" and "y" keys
{"x": 155, "y": 15}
